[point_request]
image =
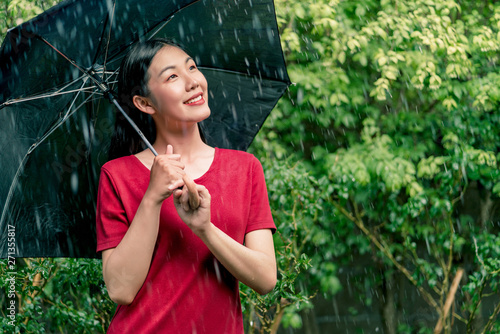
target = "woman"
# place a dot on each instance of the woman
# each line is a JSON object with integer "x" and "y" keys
{"x": 179, "y": 230}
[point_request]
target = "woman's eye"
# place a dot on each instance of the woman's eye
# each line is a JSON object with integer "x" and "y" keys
{"x": 192, "y": 67}
{"x": 173, "y": 76}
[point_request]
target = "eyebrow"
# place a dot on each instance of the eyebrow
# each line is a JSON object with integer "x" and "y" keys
{"x": 171, "y": 67}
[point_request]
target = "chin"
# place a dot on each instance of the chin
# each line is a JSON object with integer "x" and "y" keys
{"x": 206, "y": 114}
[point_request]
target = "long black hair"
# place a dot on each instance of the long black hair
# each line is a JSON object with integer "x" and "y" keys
{"x": 133, "y": 80}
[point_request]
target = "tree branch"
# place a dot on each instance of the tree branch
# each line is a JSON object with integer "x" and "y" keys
{"x": 384, "y": 249}
{"x": 449, "y": 300}
{"x": 492, "y": 319}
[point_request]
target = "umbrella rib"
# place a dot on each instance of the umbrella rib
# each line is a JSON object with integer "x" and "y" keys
{"x": 155, "y": 26}
{"x": 110, "y": 75}
{"x": 43, "y": 96}
{"x": 62, "y": 54}
{"x": 167, "y": 20}
{"x": 106, "y": 91}
{"x": 38, "y": 97}
{"x": 34, "y": 97}
{"x": 61, "y": 121}
{"x": 99, "y": 83}
{"x": 11, "y": 189}
{"x": 111, "y": 19}
{"x": 68, "y": 113}
{"x": 161, "y": 26}
{"x": 32, "y": 147}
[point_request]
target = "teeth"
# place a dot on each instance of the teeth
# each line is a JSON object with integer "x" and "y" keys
{"x": 196, "y": 99}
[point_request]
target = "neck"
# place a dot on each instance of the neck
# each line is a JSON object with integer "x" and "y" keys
{"x": 187, "y": 142}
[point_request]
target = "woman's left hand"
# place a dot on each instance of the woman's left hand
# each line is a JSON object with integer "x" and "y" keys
{"x": 193, "y": 205}
{"x": 253, "y": 264}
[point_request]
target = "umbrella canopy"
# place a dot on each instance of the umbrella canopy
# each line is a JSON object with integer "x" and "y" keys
{"x": 55, "y": 125}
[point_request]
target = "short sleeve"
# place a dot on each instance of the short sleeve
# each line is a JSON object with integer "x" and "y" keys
{"x": 260, "y": 216}
{"x": 111, "y": 219}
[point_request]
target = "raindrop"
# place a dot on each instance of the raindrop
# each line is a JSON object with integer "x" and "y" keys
{"x": 217, "y": 270}
{"x": 72, "y": 34}
{"x": 74, "y": 182}
{"x": 37, "y": 220}
{"x": 233, "y": 110}
{"x": 181, "y": 31}
{"x": 300, "y": 95}
{"x": 270, "y": 36}
{"x": 60, "y": 27}
{"x": 256, "y": 22}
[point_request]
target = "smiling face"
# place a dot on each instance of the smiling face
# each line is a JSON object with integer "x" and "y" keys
{"x": 178, "y": 90}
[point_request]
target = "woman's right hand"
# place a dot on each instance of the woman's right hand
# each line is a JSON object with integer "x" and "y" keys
{"x": 166, "y": 175}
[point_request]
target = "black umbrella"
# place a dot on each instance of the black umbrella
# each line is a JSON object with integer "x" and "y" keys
{"x": 55, "y": 125}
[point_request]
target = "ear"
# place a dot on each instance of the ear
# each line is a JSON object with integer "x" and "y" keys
{"x": 144, "y": 104}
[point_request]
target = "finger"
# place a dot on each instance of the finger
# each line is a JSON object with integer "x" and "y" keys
{"x": 202, "y": 190}
{"x": 176, "y": 157}
{"x": 175, "y": 163}
{"x": 204, "y": 195}
{"x": 177, "y": 184}
{"x": 168, "y": 159}
{"x": 194, "y": 198}
{"x": 170, "y": 153}
{"x": 184, "y": 199}
{"x": 177, "y": 194}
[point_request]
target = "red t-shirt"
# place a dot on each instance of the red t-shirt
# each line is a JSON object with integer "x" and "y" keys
{"x": 186, "y": 290}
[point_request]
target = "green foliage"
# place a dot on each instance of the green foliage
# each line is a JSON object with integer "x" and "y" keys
{"x": 395, "y": 101}
{"x": 297, "y": 211}
{"x": 57, "y": 295}
{"x": 484, "y": 284}
{"x": 15, "y": 12}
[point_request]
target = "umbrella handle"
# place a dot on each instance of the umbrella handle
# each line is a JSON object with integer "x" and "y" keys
{"x": 136, "y": 128}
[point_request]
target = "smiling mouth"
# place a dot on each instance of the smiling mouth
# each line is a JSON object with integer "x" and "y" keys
{"x": 196, "y": 99}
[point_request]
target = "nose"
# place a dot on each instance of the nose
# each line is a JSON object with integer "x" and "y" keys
{"x": 192, "y": 83}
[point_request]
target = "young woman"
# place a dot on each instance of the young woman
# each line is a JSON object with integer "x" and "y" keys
{"x": 179, "y": 230}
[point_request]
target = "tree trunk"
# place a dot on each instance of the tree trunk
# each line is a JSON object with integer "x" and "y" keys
{"x": 389, "y": 311}
{"x": 486, "y": 208}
